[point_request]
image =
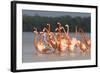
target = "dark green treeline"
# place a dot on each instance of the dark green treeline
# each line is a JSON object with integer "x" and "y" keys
{"x": 40, "y": 21}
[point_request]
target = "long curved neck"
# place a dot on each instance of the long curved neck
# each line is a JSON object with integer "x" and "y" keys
{"x": 41, "y": 38}
{"x": 64, "y": 30}
{"x": 35, "y": 39}
{"x": 67, "y": 26}
{"x": 67, "y": 29}
{"x": 46, "y": 30}
{"x": 49, "y": 27}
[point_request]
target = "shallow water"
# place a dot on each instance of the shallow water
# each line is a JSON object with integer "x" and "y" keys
{"x": 29, "y": 51}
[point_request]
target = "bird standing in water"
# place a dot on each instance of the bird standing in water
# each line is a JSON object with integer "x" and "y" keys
{"x": 38, "y": 43}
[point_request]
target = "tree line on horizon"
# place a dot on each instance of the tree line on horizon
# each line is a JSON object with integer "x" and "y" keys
{"x": 40, "y": 21}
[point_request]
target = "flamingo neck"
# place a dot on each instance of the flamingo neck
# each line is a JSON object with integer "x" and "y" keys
{"x": 67, "y": 30}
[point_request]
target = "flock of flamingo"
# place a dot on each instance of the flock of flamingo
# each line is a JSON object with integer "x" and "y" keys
{"x": 60, "y": 42}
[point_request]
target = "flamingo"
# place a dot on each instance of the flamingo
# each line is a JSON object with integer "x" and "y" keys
{"x": 50, "y": 40}
{"x": 82, "y": 47}
{"x": 72, "y": 41}
{"x": 63, "y": 43}
{"x": 86, "y": 39}
{"x": 85, "y": 43}
{"x": 58, "y": 36}
{"x": 67, "y": 35}
{"x": 60, "y": 40}
{"x": 38, "y": 43}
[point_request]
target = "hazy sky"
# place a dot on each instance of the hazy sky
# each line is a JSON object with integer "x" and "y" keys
{"x": 54, "y": 13}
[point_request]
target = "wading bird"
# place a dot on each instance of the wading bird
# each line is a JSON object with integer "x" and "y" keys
{"x": 58, "y": 37}
{"x": 84, "y": 42}
{"x": 73, "y": 43}
{"x": 38, "y": 43}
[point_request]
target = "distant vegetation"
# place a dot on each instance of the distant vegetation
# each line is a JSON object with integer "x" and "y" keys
{"x": 40, "y": 21}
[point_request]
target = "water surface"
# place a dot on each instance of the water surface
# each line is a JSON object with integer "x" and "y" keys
{"x": 29, "y": 51}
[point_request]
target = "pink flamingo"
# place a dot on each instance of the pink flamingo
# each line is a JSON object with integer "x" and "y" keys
{"x": 58, "y": 34}
{"x": 72, "y": 42}
{"x": 84, "y": 42}
{"x": 38, "y": 43}
{"x": 50, "y": 38}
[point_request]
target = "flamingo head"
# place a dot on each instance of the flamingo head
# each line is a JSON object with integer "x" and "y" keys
{"x": 34, "y": 29}
{"x": 48, "y": 24}
{"x": 58, "y": 24}
{"x": 35, "y": 32}
{"x": 66, "y": 25}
